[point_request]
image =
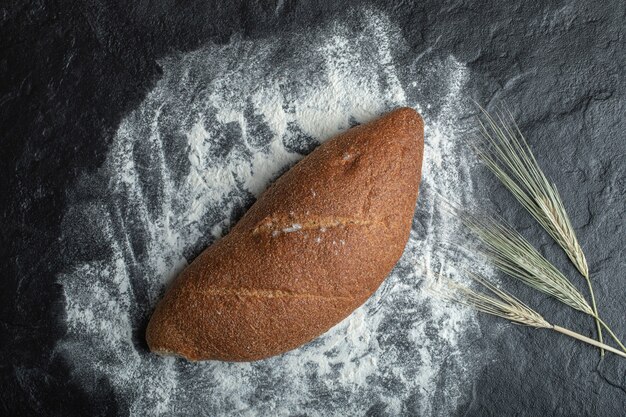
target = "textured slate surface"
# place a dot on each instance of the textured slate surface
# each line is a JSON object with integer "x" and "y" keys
{"x": 70, "y": 72}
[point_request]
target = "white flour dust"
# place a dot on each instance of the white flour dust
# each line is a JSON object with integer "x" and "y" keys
{"x": 220, "y": 125}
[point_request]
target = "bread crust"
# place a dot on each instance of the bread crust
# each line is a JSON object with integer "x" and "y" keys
{"x": 314, "y": 247}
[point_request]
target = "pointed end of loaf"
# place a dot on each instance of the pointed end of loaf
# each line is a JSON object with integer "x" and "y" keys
{"x": 406, "y": 116}
{"x": 404, "y": 126}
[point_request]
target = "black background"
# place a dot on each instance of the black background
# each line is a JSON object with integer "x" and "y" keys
{"x": 69, "y": 71}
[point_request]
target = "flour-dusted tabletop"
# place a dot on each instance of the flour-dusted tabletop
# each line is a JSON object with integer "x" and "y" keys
{"x": 133, "y": 136}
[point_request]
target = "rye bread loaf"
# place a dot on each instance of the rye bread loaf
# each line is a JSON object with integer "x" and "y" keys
{"x": 314, "y": 247}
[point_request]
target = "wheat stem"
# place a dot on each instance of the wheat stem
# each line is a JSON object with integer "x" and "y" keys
{"x": 608, "y": 329}
{"x": 597, "y": 318}
{"x": 588, "y": 340}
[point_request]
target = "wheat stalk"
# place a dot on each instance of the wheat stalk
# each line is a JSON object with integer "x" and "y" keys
{"x": 502, "y": 304}
{"x": 511, "y": 253}
{"x": 514, "y": 255}
{"x": 507, "y": 154}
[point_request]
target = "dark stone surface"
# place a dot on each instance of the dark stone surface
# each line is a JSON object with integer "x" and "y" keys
{"x": 69, "y": 71}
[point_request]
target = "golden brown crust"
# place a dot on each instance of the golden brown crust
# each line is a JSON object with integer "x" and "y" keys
{"x": 316, "y": 244}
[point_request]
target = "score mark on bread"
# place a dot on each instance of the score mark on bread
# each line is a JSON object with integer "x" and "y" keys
{"x": 314, "y": 247}
{"x": 276, "y": 225}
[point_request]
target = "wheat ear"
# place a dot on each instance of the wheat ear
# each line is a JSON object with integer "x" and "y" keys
{"x": 499, "y": 303}
{"x": 504, "y": 150}
{"x": 511, "y": 253}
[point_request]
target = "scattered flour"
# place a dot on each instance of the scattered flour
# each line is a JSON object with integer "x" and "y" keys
{"x": 222, "y": 123}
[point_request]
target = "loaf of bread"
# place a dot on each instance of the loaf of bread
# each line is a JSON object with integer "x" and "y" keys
{"x": 314, "y": 247}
